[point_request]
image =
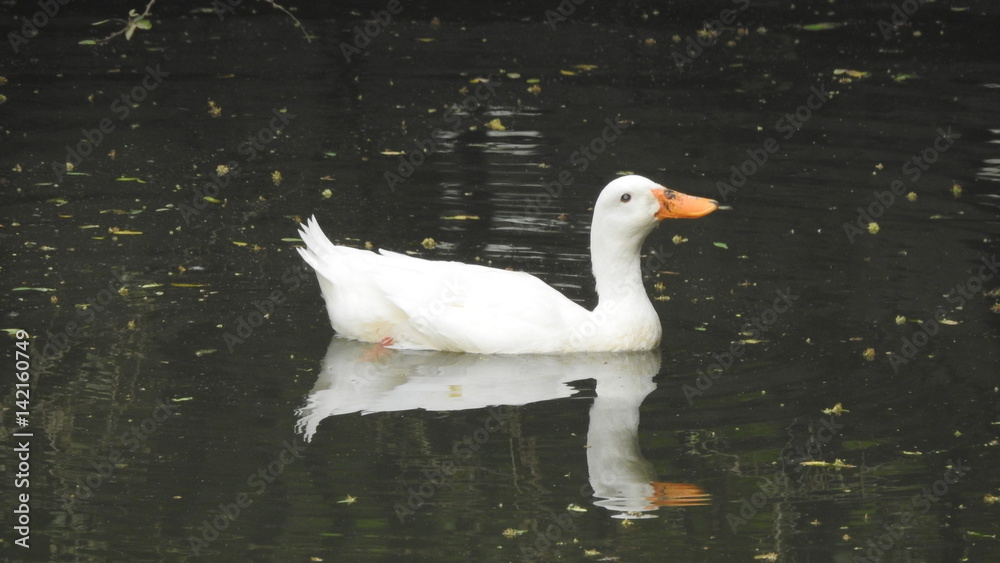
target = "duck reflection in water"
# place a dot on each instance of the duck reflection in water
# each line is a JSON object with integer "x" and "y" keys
{"x": 366, "y": 378}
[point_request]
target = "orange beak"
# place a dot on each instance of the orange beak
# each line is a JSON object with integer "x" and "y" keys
{"x": 675, "y": 205}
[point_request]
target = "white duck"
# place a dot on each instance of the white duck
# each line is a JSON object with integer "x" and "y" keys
{"x": 404, "y": 302}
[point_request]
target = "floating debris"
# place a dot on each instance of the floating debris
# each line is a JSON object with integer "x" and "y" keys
{"x": 836, "y": 410}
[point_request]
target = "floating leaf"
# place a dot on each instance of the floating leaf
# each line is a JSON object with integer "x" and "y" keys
{"x": 124, "y": 179}
{"x": 903, "y": 77}
{"x": 823, "y": 26}
{"x": 57, "y": 201}
{"x": 33, "y": 289}
{"x": 240, "y": 243}
{"x": 205, "y": 352}
{"x": 836, "y": 409}
{"x": 567, "y": 73}
{"x": 211, "y": 199}
{"x": 461, "y": 218}
{"x": 127, "y": 232}
{"x": 425, "y": 39}
{"x": 87, "y": 42}
{"x": 189, "y": 285}
{"x": 496, "y": 125}
{"x": 837, "y": 464}
{"x": 585, "y": 67}
{"x": 391, "y": 153}
{"x": 851, "y": 73}
{"x": 428, "y": 243}
{"x": 721, "y": 245}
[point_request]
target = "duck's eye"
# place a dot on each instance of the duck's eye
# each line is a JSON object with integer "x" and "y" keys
{"x": 626, "y": 198}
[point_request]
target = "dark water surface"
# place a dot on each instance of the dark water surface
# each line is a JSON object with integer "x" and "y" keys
{"x": 170, "y": 417}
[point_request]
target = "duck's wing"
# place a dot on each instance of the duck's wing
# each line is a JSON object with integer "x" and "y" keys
{"x": 472, "y": 308}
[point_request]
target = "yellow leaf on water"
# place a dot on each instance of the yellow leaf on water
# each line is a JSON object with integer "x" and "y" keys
{"x": 239, "y": 243}
{"x": 462, "y": 218}
{"x": 567, "y": 73}
{"x": 585, "y": 67}
{"x": 189, "y": 285}
{"x": 496, "y": 125}
{"x": 836, "y": 409}
{"x": 391, "y": 153}
{"x": 851, "y": 73}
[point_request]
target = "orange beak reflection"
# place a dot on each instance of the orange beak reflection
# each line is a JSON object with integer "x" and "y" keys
{"x": 678, "y": 494}
{"x": 675, "y": 205}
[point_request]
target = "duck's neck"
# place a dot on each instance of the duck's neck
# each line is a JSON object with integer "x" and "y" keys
{"x": 618, "y": 274}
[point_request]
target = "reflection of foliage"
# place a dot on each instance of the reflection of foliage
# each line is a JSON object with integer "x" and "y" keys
{"x": 135, "y": 21}
{"x": 140, "y": 21}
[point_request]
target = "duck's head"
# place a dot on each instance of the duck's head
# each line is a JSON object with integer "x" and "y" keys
{"x": 631, "y": 206}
